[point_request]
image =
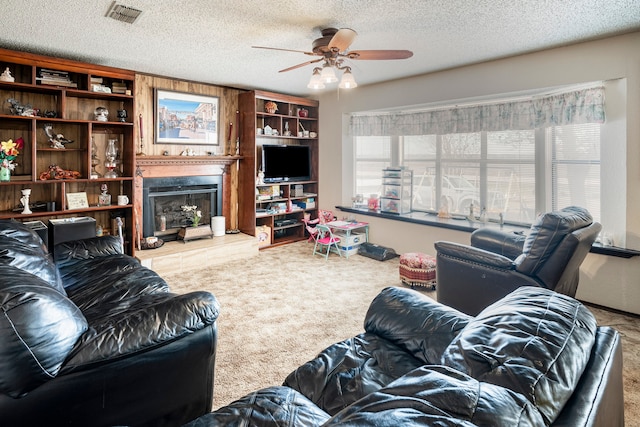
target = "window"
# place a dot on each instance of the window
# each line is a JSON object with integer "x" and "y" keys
{"x": 373, "y": 154}
{"x": 515, "y": 158}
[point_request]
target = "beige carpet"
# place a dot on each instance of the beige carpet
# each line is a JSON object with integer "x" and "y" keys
{"x": 282, "y": 307}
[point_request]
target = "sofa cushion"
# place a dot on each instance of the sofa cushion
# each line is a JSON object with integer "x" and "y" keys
{"x": 22, "y": 233}
{"x": 273, "y": 406}
{"x": 415, "y": 322}
{"x": 94, "y": 279}
{"x": 21, "y": 247}
{"x": 31, "y": 260}
{"x": 546, "y": 233}
{"x": 39, "y": 327}
{"x": 349, "y": 370}
{"x": 534, "y": 342}
{"x": 439, "y": 396}
{"x": 69, "y": 253}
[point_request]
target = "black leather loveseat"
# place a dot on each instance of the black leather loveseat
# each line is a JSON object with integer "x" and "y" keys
{"x": 95, "y": 339}
{"x": 534, "y": 358}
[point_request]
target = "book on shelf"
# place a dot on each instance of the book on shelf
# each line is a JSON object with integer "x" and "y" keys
{"x": 56, "y": 82}
{"x": 54, "y": 73}
{"x": 118, "y": 87}
{"x": 55, "y": 78}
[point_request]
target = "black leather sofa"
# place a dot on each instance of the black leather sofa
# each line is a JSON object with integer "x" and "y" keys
{"x": 95, "y": 339}
{"x": 534, "y": 358}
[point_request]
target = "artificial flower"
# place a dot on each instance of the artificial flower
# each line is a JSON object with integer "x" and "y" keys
{"x": 9, "y": 150}
{"x": 193, "y": 213}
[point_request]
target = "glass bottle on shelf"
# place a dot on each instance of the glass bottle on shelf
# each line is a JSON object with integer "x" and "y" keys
{"x": 95, "y": 161}
{"x": 111, "y": 155}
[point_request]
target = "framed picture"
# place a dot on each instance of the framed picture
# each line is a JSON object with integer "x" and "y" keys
{"x": 77, "y": 201}
{"x": 185, "y": 118}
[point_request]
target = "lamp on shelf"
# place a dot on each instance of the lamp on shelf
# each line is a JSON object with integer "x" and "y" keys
{"x": 327, "y": 74}
{"x": 111, "y": 154}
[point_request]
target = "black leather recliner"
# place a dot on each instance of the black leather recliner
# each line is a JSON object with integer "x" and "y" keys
{"x": 472, "y": 277}
{"x": 95, "y": 339}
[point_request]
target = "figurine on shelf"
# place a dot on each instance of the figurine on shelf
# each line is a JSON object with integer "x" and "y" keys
{"x": 56, "y": 140}
{"x": 260, "y": 177}
{"x": 101, "y": 114}
{"x": 122, "y": 115}
{"x": 19, "y": 109}
{"x": 104, "y": 199}
{"x": 56, "y": 172}
{"x": 6, "y": 76}
{"x": 25, "y": 201}
{"x": 471, "y": 216}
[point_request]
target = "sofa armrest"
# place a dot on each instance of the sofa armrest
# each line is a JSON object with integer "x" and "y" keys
{"x": 39, "y": 328}
{"x": 414, "y": 322}
{"x": 470, "y": 279}
{"x": 508, "y": 244}
{"x": 94, "y": 247}
{"x": 598, "y": 399}
{"x": 148, "y": 321}
{"x": 474, "y": 255}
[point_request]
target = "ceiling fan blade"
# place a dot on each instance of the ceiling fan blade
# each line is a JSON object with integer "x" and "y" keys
{"x": 342, "y": 39}
{"x": 301, "y": 65}
{"x": 379, "y": 54}
{"x": 286, "y": 50}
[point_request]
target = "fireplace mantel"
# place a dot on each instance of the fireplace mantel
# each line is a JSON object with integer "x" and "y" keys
{"x": 162, "y": 166}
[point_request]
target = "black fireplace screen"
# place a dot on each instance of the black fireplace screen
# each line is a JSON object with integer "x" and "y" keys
{"x": 163, "y": 198}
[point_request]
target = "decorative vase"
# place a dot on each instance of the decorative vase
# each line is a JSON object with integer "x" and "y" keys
{"x": 5, "y": 174}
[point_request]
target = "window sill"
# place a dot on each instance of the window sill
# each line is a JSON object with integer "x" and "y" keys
{"x": 432, "y": 220}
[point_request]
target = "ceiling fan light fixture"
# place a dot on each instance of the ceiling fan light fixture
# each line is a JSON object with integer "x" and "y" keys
{"x": 315, "y": 82}
{"x": 328, "y": 75}
{"x": 347, "y": 81}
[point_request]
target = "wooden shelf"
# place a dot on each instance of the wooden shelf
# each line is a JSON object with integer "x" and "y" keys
{"x": 253, "y": 116}
{"x": 74, "y": 109}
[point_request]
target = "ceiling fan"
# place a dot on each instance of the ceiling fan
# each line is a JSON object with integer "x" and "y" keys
{"x": 332, "y": 49}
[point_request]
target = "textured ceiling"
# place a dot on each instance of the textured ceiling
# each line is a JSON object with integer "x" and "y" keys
{"x": 210, "y": 40}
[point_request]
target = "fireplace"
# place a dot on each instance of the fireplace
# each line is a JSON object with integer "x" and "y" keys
{"x": 163, "y": 198}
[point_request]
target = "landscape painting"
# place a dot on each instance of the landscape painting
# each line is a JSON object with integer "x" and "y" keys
{"x": 184, "y": 118}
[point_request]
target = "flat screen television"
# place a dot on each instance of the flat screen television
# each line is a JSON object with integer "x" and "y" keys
{"x": 282, "y": 163}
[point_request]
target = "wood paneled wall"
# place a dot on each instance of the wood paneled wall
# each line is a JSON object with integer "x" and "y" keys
{"x": 144, "y": 87}
{"x": 228, "y": 105}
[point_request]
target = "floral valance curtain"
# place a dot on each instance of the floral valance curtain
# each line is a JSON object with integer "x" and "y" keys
{"x": 575, "y": 107}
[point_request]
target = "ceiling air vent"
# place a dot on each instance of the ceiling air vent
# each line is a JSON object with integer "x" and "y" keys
{"x": 123, "y": 13}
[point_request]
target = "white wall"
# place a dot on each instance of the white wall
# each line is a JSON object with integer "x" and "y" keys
{"x": 608, "y": 281}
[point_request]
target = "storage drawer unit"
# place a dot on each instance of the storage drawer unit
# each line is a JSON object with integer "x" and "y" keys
{"x": 397, "y": 190}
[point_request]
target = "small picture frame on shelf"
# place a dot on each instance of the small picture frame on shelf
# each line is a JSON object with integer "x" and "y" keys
{"x": 77, "y": 200}
{"x": 186, "y": 118}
